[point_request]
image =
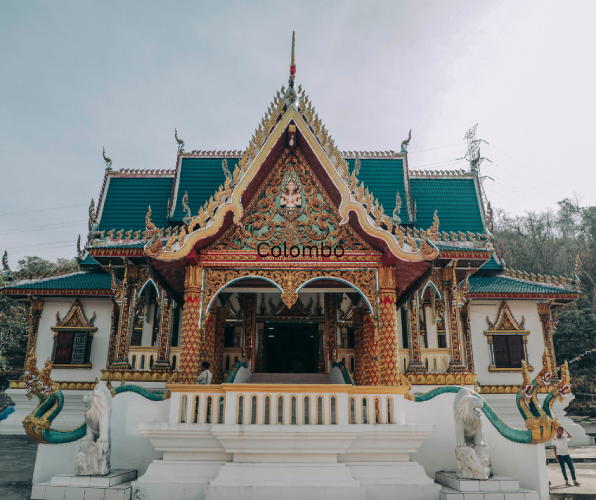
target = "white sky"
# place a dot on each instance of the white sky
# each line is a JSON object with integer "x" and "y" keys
{"x": 76, "y": 76}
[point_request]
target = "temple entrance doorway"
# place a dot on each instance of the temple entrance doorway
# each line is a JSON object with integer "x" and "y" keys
{"x": 291, "y": 347}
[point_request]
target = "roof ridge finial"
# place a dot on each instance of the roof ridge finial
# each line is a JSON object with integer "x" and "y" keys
{"x": 291, "y": 95}
{"x": 293, "y": 63}
{"x": 107, "y": 160}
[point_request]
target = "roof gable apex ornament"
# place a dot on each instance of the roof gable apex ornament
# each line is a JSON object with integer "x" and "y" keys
{"x": 404, "y": 144}
{"x": 179, "y": 141}
{"x": 290, "y": 96}
{"x": 107, "y": 160}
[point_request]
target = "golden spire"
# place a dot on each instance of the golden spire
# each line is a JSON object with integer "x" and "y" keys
{"x": 293, "y": 63}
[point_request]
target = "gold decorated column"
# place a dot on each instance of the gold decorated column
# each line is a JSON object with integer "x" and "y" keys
{"x": 32, "y": 318}
{"x": 190, "y": 341}
{"x": 359, "y": 374}
{"x": 416, "y": 364}
{"x": 218, "y": 349}
{"x": 165, "y": 328}
{"x": 388, "y": 344}
{"x": 371, "y": 355}
{"x": 452, "y": 294}
{"x": 548, "y": 329}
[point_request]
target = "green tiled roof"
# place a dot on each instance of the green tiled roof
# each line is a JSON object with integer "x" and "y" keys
{"x": 454, "y": 199}
{"x": 492, "y": 265}
{"x": 200, "y": 178}
{"x": 448, "y": 247}
{"x": 506, "y": 284}
{"x": 128, "y": 198}
{"x": 121, "y": 244}
{"x": 89, "y": 261}
{"x": 384, "y": 178}
{"x": 76, "y": 281}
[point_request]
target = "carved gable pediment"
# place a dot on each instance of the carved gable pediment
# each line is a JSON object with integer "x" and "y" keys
{"x": 75, "y": 318}
{"x": 505, "y": 321}
{"x": 293, "y": 208}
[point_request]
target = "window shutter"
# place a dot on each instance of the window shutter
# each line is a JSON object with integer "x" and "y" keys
{"x": 501, "y": 351}
{"x": 63, "y": 348}
{"x": 516, "y": 350}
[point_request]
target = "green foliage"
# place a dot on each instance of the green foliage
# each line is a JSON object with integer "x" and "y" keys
{"x": 547, "y": 243}
{"x": 37, "y": 264}
{"x": 13, "y": 340}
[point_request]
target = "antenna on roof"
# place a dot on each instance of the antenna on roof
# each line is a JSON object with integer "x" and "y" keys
{"x": 473, "y": 151}
{"x": 474, "y": 158}
{"x": 107, "y": 160}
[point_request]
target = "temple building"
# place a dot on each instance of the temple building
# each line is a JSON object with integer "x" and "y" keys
{"x": 323, "y": 286}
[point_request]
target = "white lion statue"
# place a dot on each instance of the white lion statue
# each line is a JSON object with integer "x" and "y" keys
{"x": 472, "y": 452}
{"x": 93, "y": 458}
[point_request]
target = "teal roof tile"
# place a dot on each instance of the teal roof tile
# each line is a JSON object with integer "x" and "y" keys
{"x": 455, "y": 201}
{"x": 384, "y": 177}
{"x": 459, "y": 248}
{"x": 128, "y": 199}
{"x": 492, "y": 265}
{"x": 120, "y": 244}
{"x": 76, "y": 281}
{"x": 506, "y": 284}
{"x": 200, "y": 178}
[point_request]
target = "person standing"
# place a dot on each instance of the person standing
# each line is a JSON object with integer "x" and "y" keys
{"x": 561, "y": 447}
{"x": 205, "y": 376}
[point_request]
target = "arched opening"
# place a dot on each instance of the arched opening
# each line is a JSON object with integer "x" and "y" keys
{"x": 142, "y": 367}
{"x": 220, "y": 413}
{"x": 147, "y": 316}
{"x": 133, "y": 363}
{"x": 195, "y": 413}
{"x": 253, "y": 410}
{"x": 240, "y": 417}
{"x": 306, "y": 410}
{"x": 174, "y": 360}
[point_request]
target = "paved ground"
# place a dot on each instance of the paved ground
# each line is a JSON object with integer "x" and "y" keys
{"x": 17, "y": 460}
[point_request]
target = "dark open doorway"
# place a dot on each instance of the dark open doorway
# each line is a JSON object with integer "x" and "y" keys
{"x": 291, "y": 347}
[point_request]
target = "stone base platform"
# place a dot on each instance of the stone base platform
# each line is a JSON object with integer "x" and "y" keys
{"x": 115, "y": 486}
{"x": 495, "y": 488}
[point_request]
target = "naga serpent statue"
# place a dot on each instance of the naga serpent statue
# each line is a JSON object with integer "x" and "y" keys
{"x": 541, "y": 426}
{"x": 51, "y": 401}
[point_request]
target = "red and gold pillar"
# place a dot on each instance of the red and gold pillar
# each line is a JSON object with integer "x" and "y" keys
{"x": 331, "y": 326}
{"x": 218, "y": 349}
{"x": 389, "y": 349}
{"x": 190, "y": 340}
{"x": 371, "y": 355}
{"x": 358, "y": 348}
{"x": 125, "y": 300}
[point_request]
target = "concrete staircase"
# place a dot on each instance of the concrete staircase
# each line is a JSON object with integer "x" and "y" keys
{"x": 289, "y": 378}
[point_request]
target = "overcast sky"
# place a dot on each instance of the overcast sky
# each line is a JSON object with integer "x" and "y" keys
{"x": 77, "y": 76}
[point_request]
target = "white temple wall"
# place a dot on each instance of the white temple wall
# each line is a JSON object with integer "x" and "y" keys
{"x": 101, "y": 338}
{"x": 479, "y": 310}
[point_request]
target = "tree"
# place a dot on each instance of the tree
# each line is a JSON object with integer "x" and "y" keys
{"x": 13, "y": 341}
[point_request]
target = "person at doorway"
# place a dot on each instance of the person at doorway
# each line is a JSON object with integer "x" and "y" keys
{"x": 205, "y": 376}
{"x": 561, "y": 447}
